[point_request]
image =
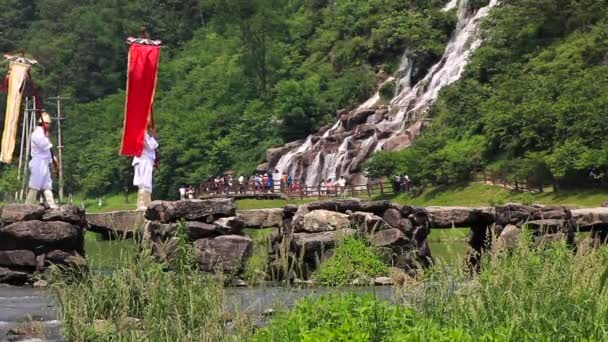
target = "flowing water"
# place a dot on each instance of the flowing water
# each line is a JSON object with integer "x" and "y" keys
{"x": 27, "y": 314}
{"x": 341, "y": 149}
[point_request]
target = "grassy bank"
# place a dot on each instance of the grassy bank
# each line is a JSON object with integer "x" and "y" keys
{"x": 475, "y": 194}
{"x": 532, "y": 293}
{"x": 110, "y": 202}
{"x": 472, "y": 194}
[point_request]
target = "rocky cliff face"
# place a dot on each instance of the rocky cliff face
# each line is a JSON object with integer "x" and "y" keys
{"x": 341, "y": 149}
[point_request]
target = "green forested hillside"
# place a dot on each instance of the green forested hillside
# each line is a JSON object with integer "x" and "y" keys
{"x": 239, "y": 76}
{"x": 533, "y": 102}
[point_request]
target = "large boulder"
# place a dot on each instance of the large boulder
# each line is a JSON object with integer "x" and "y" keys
{"x": 121, "y": 223}
{"x": 513, "y": 213}
{"x": 12, "y": 213}
{"x": 508, "y": 238}
{"x": 229, "y": 225}
{"x": 324, "y": 220}
{"x": 368, "y": 222}
{"x": 195, "y": 230}
{"x": 8, "y": 276}
{"x": 41, "y": 236}
{"x": 344, "y": 205}
{"x": 375, "y": 207}
{"x": 162, "y": 231}
{"x": 590, "y": 218}
{"x": 198, "y": 230}
{"x": 311, "y": 245}
{"x": 397, "y": 218}
{"x": 192, "y": 210}
{"x": 519, "y": 214}
{"x": 357, "y": 117}
{"x": 447, "y": 217}
{"x": 66, "y": 213}
{"x": 228, "y": 253}
{"x": 389, "y": 238}
{"x": 17, "y": 258}
{"x": 339, "y": 205}
{"x": 548, "y": 225}
{"x": 72, "y": 259}
{"x": 262, "y": 218}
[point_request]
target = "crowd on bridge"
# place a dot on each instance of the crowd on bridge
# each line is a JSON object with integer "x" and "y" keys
{"x": 269, "y": 181}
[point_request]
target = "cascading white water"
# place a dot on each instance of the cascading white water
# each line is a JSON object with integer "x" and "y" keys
{"x": 400, "y": 123}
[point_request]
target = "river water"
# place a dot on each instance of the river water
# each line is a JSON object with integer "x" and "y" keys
{"x": 28, "y": 314}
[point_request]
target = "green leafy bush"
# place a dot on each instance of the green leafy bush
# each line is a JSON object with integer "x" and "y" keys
{"x": 354, "y": 318}
{"x": 352, "y": 259}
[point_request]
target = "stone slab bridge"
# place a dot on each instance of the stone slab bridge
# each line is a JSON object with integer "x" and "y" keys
{"x": 307, "y": 234}
{"x": 33, "y": 237}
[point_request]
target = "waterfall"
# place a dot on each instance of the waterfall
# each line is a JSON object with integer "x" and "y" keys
{"x": 397, "y": 125}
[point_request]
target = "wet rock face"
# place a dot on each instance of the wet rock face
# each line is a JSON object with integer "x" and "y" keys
{"x": 212, "y": 228}
{"x": 33, "y": 238}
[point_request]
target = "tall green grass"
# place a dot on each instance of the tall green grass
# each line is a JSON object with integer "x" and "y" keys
{"x": 531, "y": 293}
{"x": 178, "y": 305}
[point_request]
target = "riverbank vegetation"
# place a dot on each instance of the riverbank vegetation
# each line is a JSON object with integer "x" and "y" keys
{"x": 535, "y": 291}
{"x": 532, "y": 293}
{"x": 139, "y": 300}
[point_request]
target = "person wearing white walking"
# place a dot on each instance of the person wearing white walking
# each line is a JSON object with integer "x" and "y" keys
{"x": 144, "y": 165}
{"x": 40, "y": 165}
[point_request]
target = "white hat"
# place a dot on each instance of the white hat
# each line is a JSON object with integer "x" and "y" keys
{"x": 45, "y": 118}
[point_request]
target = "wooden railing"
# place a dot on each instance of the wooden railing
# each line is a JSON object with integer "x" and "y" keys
{"x": 507, "y": 181}
{"x": 296, "y": 190}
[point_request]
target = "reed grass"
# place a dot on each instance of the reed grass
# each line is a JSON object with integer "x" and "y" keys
{"x": 530, "y": 293}
{"x": 142, "y": 301}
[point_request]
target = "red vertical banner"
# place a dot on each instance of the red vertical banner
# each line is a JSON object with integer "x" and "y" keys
{"x": 141, "y": 85}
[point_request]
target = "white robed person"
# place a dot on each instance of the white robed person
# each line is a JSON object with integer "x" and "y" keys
{"x": 144, "y": 166}
{"x": 40, "y": 164}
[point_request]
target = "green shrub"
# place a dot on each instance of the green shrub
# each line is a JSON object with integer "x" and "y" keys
{"x": 354, "y": 318}
{"x": 352, "y": 259}
{"x": 387, "y": 91}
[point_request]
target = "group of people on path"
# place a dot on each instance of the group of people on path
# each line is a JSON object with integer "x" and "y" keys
{"x": 186, "y": 192}
{"x": 401, "y": 183}
{"x": 269, "y": 181}
{"x": 336, "y": 187}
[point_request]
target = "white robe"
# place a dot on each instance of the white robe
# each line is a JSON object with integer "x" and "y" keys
{"x": 144, "y": 165}
{"x": 40, "y": 165}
